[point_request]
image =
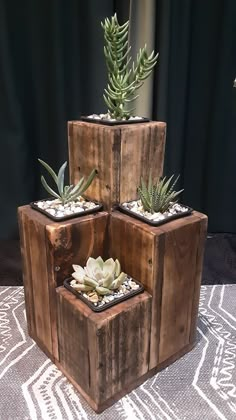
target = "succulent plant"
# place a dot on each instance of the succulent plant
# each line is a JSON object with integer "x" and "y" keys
{"x": 66, "y": 193}
{"x": 101, "y": 276}
{"x": 156, "y": 197}
{"x": 123, "y": 78}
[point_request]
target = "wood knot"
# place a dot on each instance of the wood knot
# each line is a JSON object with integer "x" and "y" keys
{"x": 150, "y": 261}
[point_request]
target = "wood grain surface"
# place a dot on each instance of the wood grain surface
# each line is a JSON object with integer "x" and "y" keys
{"x": 97, "y": 349}
{"x": 48, "y": 251}
{"x": 121, "y": 154}
{"x": 167, "y": 260}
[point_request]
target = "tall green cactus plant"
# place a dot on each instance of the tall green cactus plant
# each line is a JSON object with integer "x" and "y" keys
{"x": 123, "y": 78}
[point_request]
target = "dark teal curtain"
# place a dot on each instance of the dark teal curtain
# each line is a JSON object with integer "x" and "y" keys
{"x": 52, "y": 70}
{"x": 194, "y": 94}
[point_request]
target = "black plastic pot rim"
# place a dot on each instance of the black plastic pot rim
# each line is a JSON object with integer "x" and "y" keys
{"x": 123, "y": 209}
{"x": 68, "y": 216}
{"x": 106, "y": 305}
{"x": 111, "y": 123}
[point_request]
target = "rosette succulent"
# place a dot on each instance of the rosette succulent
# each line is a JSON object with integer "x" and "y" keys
{"x": 98, "y": 275}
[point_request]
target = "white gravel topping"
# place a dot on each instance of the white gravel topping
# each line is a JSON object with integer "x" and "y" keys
{"x": 136, "y": 207}
{"x": 57, "y": 209}
{"x": 128, "y": 286}
{"x": 108, "y": 117}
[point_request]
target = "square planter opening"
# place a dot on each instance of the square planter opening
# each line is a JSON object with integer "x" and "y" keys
{"x": 96, "y": 119}
{"x": 157, "y": 219}
{"x": 106, "y": 301}
{"x": 59, "y": 212}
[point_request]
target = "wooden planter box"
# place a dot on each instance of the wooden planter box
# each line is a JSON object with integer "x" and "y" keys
{"x": 103, "y": 354}
{"x": 168, "y": 261}
{"x": 121, "y": 154}
{"x": 48, "y": 251}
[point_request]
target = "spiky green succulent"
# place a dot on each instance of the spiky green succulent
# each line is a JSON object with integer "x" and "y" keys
{"x": 156, "y": 197}
{"x": 101, "y": 276}
{"x": 65, "y": 193}
{"x": 123, "y": 78}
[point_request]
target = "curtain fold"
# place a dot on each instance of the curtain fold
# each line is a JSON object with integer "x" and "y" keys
{"x": 52, "y": 70}
{"x": 193, "y": 92}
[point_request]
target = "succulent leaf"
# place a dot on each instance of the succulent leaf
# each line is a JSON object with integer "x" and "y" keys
{"x": 60, "y": 179}
{"x": 77, "y": 277}
{"x": 49, "y": 169}
{"x": 109, "y": 267}
{"x": 89, "y": 181}
{"x": 90, "y": 267}
{"x": 77, "y": 187}
{"x": 80, "y": 273}
{"x": 100, "y": 262}
{"x": 49, "y": 189}
{"x": 119, "y": 281}
{"x": 69, "y": 192}
{"x": 108, "y": 279}
{"x": 90, "y": 282}
{"x": 103, "y": 290}
{"x": 82, "y": 287}
{"x": 118, "y": 269}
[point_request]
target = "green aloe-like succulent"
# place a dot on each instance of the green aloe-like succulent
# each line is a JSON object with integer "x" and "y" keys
{"x": 66, "y": 193}
{"x": 101, "y": 276}
{"x": 156, "y": 197}
{"x": 123, "y": 78}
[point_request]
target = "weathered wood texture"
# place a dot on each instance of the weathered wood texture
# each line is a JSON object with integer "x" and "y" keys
{"x": 48, "y": 251}
{"x": 97, "y": 350}
{"x": 121, "y": 154}
{"x": 168, "y": 261}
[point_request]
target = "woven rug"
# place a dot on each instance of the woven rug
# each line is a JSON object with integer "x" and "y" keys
{"x": 199, "y": 386}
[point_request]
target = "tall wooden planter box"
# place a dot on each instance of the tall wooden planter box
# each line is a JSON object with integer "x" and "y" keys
{"x": 103, "y": 354}
{"x": 121, "y": 154}
{"x": 168, "y": 261}
{"x": 48, "y": 251}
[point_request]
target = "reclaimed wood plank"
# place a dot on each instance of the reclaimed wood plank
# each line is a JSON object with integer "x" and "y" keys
{"x": 121, "y": 154}
{"x": 168, "y": 261}
{"x": 198, "y": 277}
{"x": 107, "y": 361}
{"x": 26, "y": 271}
{"x": 48, "y": 251}
{"x": 36, "y": 259}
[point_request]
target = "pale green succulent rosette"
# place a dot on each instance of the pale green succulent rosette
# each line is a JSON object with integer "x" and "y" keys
{"x": 102, "y": 276}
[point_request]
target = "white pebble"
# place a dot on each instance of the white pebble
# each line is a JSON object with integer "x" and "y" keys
{"x": 51, "y": 211}
{"x": 59, "y": 214}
